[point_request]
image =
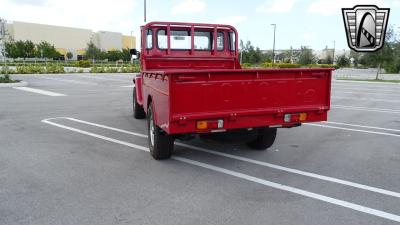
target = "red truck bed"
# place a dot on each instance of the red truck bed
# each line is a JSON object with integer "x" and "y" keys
{"x": 242, "y": 98}
{"x": 192, "y": 83}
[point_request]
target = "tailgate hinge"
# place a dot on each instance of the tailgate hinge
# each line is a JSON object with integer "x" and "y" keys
{"x": 232, "y": 117}
{"x": 182, "y": 121}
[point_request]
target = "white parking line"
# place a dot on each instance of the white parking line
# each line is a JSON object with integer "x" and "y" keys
{"x": 351, "y": 129}
{"x": 69, "y": 81}
{"x": 129, "y": 86}
{"x": 104, "y": 78}
{"x": 298, "y": 191}
{"x": 365, "y": 93}
{"x": 365, "y": 99}
{"x": 105, "y": 127}
{"x": 260, "y": 163}
{"x": 362, "y": 126}
{"x": 371, "y": 83}
{"x": 243, "y": 176}
{"x": 369, "y": 90}
{"x": 38, "y": 91}
{"x": 366, "y": 109}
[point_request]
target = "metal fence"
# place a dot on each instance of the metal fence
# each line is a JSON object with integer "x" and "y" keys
{"x": 363, "y": 74}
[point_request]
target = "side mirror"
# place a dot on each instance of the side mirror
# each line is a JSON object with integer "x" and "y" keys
{"x": 133, "y": 51}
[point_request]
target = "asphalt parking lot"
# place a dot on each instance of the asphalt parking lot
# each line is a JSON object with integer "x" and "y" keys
{"x": 71, "y": 153}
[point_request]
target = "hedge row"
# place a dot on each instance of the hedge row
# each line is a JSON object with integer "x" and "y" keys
{"x": 81, "y": 63}
{"x": 287, "y": 65}
{"x": 122, "y": 69}
{"x": 33, "y": 69}
{"x": 56, "y": 68}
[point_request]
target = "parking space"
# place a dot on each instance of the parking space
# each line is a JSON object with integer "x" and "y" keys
{"x": 81, "y": 158}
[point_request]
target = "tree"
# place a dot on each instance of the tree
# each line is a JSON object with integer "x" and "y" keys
{"x": 251, "y": 54}
{"x": 69, "y": 55}
{"x": 20, "y": 49}
{"x": 328, "y": 59}
{"x": 126, "y": 55}
{"x": 114, "y": 55}
{"x": 285, "y": 56}
{"x": 46, "y": 50}
{"x": 342, "y": 61}
{"x": 11, "y": 50}
{"x": 92, "y": 51}
{"x": 28, "y": 49}
{"x": 356, "y": 57}
{"x": 386, "y": 57}
{"x": 306, "y": 56}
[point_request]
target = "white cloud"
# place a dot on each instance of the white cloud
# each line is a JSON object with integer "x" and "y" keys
{"x": 231, "y": 20}
{"x": 189, "y": 6}
{"x": 90, "y": 14}
{"x": 276, "y": 6}
{"x": 329, "y": 7}
{"x": 308, "y": 36}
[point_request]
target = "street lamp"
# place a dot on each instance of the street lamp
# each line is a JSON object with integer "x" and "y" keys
{"x": 273, "y": 48}
{"x": 333, "y": 53}
{"x": 131, "y": 39}
{"x": 145, "y": 9}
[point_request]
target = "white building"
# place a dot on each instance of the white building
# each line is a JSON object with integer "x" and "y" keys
{"x": 69, "y": 39}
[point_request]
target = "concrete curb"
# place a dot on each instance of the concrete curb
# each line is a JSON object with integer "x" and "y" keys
{"x": 19, "y": 84}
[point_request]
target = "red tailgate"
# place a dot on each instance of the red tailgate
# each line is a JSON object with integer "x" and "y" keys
{"x": 247, "y": 98}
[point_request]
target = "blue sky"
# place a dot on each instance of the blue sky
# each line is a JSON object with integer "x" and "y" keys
{"x": 314, "y": 23}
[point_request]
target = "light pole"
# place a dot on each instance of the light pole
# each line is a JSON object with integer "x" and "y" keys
{"x": 145, "y": 9}
{"x": 2, "y": 42}
{"x": 273, "y": 47}
{"x": 333, "y": 53}
{"x": 131, "y": 39}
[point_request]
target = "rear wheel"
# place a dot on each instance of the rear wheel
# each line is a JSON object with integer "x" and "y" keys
{"x": 138, "y": 111}
{"x": 265, "y": 139}
{"x": 161, "y": 144}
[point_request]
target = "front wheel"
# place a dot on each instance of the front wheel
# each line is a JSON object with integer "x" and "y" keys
{"x": 265, "y": 139}
{"x": 161, "y": 144}
{"x": 138, "y": 111}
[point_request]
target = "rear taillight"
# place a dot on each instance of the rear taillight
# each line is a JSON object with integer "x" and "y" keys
{"x": 210, "y": 124}
{"x": 294, "y": 117}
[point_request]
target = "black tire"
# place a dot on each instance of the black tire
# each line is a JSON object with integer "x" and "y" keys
{"x": 138, "y": 111}
{"x": 161, "y": 144}
{"x": 265, "y": 139}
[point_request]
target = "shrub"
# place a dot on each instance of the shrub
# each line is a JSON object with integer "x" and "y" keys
{"x": 31, "y": 69}
{"x": 323, "y": 66}
{"x": 7, "y": 79}
{"x": 288, "y": 65}
{"x": 112, "y": 69}
{"x": 280, "y": 65}
{"x": 130, "y": 69}
{"x": 83, "y": 64}
{"x": 97, "y": 69}
{"x": 55, "y": 68}
{"x": 246, "y": 65}
{"x": 6, "y": 70}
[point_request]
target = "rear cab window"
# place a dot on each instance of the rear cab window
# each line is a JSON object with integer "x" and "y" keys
{"x": 181, "y": 40}
{"x": 232, "y": 41}
{"x": 149, "y": 39}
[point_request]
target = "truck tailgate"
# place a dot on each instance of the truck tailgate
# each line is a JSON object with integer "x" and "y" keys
{"x": 221, "y": 93}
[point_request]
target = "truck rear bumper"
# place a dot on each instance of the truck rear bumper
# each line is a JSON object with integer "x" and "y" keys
{"x": 188, "y": 123}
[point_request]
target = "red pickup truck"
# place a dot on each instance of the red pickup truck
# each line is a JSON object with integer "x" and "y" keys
{"x": 192, "y": 83}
